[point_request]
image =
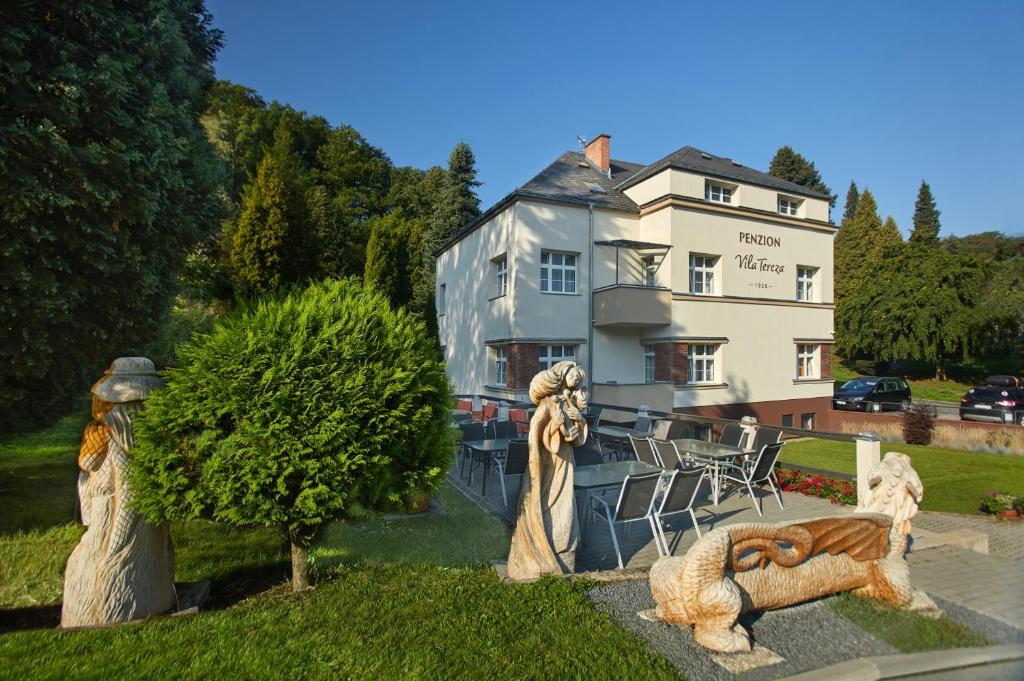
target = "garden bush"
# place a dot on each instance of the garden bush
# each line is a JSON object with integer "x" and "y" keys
{"x": 918, "y": 424}
{"x": 292, "y": 412}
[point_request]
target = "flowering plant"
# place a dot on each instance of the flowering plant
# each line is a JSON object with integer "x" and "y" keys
{"x": 836, "y": 491}
{"x": 995, "y": 502}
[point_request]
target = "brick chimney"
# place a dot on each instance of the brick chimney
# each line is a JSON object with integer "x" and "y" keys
{"x": 598, "y": 151}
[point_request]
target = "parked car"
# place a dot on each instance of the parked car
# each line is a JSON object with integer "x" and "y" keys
{"x": 872, "y": 393}
{"x": 1000, "y": 399}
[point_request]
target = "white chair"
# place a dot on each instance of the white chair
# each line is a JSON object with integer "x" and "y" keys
{"x": 635, "y": 504}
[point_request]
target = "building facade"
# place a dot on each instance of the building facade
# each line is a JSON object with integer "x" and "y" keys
{"x": 693, "y": 284}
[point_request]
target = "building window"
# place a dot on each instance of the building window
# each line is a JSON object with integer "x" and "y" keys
{"x": 500, "y": 364}
{"x": 442, "y": 299}
{"x": 701, "y": 360}
{"x": 550, "y": 355}
{"x": 650, "y": 268}
{"x": 500, "y": 265}
{"x": 717, "y": 193}
{"x": 557, "y": 272}
{"x": 649, "y": 363}
{"x": 788, "y": 206}
{"x": 805, "y": 283}
{"x": 806, "y": 364}
{"x": 787, "y": 420}
{"x": 807, "y": 421}
{"x": 702, "y": 274}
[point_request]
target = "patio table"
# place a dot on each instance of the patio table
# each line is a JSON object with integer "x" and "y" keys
{"x": 486, "y": 450}
{"x": 599, "y": 478}
{"x": 713, "y": 452}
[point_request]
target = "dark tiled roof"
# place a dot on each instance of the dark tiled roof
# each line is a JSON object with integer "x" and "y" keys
{"x": 571, "y": 176}
{"x": 689, "y": 158}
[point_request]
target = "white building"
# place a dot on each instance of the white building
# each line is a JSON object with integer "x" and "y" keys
{"x": 692, "y": 284}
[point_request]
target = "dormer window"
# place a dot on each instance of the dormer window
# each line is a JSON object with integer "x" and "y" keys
{"x": 788, "y": 206}
{"x": 717, "y": 193}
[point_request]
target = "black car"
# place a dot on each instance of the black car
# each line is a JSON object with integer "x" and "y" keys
{"x": 1000, "y": 399}
{"x": 872, "y": 393}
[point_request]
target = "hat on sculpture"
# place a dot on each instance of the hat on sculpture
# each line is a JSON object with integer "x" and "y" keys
{"x": 129, "y": 379}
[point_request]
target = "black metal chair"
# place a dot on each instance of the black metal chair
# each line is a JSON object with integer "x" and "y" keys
{"x": 666, "y": 452}
{"x": 681, "y": 494}
{"x": 642, "y": 424}
{"x": 765, "y": 436}
{"x": 635, "y": 504}
{"x": 593, "y": 416}
{"x": 761, "y": 470}
{"x": 516, "y": 460}
{"x": 458, "y": 417}
{"x": 732, "y": 435}
{"x": 471, "y": 430}
{"x": 498, "y": 429}
{"x": 644, "y": 451}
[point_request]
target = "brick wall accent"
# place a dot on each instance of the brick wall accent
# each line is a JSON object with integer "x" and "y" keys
{"x": 663, "y": 362}
{"x": 826, "y": 360}
{"x": 523, "y": 364}
{"x": 680, "y": 367}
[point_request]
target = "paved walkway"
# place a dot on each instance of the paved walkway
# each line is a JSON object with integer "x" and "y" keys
{"x": 1005, "y": 538}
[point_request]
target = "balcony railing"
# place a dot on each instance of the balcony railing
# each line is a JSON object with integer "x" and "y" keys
{"x": 624, "y": 305}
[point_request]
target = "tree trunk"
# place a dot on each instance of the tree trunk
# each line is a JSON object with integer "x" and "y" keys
{"x": 300, "y": 562}
{"x": 940, "y": 369}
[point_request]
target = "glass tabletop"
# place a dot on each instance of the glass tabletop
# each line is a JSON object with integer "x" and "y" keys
{"x": 616, "y": 431}
{"x": 609, "y": 474}
{"x": 500, "y": 444}
{"x": 710, "y": 449}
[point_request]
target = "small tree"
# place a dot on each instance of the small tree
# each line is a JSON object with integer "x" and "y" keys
{"x": 292, "y": 411}
{"x": 918, "y": 424}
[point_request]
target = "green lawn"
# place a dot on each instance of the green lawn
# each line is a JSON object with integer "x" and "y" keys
{"x": 954, "y": 480}
{"x": 413, "y": 598}
{"x": 921, "y": 388}
{"x": 961, "y": 376}
{"x": 907, "y": 632}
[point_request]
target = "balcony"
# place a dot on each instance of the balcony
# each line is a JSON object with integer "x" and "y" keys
{"x": 624, "y": 305}
{"x": 657, "y": 396}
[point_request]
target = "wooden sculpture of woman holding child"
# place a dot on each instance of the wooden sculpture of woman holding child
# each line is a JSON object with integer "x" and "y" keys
{"x": 545, "y": 538}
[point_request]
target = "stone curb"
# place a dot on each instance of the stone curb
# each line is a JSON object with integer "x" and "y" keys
{"x": 896, "y": 666}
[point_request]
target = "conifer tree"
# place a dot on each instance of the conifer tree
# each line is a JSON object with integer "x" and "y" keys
{"x": 888, "y": 245}
{"x": 850, "y": 206}
{"x": 456, "y": 206}
{"x": 926, "y": 219}
{"x": 791, "y": 166}
{"x": 271, "y": 245}
{"x": 853, "y": 246}
{"x": 387, "y": 259}
{"x": 108, "y": 182}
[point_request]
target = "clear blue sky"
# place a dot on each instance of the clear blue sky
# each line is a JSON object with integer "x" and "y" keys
{"x": 886, "y": 94}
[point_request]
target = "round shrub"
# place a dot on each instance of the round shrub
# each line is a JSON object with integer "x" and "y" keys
{"x": 293, "y": 410}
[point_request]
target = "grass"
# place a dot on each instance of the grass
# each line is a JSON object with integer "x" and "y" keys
{"x": 954, "y": 480}
{"x": 907, "y": 632}
{"x": 413, "y": 598}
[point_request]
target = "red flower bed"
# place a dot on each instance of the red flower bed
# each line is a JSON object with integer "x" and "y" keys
{"x": 836, "y": 491}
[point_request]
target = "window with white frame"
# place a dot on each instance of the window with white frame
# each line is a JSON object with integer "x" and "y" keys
{"x": 649, "y": 268}
{"x": 805, "y": 283}
{"x": 702, "y": 274}
{"x": 550, "y": 355}
{"x": 649, "y": 363}
{"x": 806, "y": 361}
{"x": 788, "y": 206}
{"x": 701, "y": 360}
{"x": 717, "y": 193}
{"x": 500, "y": 265}
{"x": 500, "y": 364}
{"x": 557, "y": 272}
{"x": 442, "y": 299}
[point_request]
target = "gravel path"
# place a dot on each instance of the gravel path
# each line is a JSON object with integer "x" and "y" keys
{"x": 809, "y": 636}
